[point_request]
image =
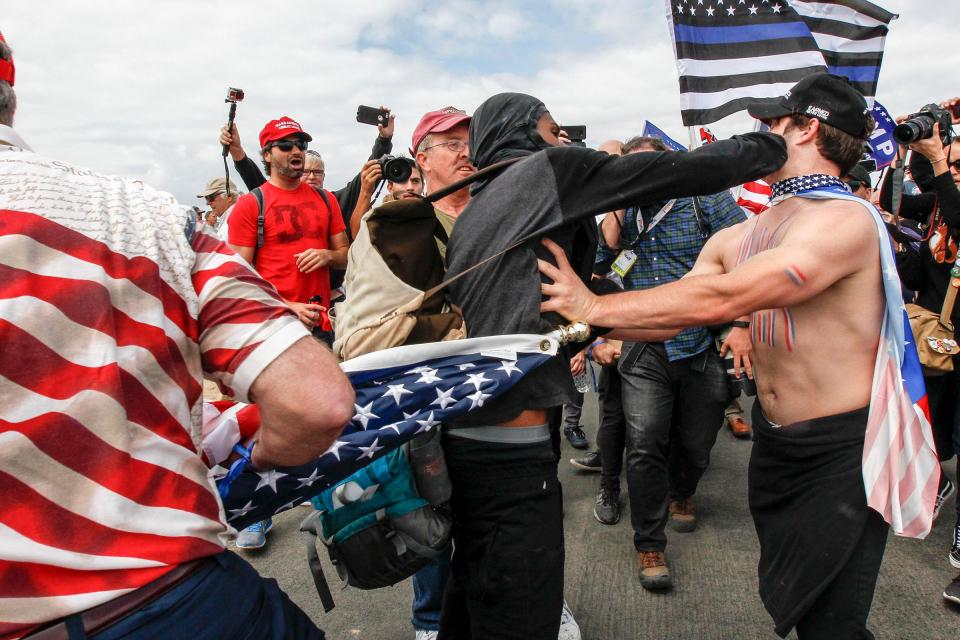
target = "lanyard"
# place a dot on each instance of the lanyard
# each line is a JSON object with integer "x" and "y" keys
{"x": 664, "y": 210}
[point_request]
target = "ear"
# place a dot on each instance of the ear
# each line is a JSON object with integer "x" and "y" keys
{"x": 422, "y": 161}
{"x": 810, "y": 132}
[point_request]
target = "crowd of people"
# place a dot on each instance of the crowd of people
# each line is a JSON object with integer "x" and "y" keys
{"x": 122, "y": 313}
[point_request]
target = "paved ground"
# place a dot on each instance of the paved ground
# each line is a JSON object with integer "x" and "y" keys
{"x": 714, "y": 569}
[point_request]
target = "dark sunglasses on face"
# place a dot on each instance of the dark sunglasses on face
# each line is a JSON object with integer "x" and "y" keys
{"x": 288, "y": 145}
{"x": 213, "y": 196}
{"x": 955, "y": 164}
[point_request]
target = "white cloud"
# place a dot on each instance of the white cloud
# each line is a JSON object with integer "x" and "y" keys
{"x": 136, "y": 87}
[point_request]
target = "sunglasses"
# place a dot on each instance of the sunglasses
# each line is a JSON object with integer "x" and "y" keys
{"x": 213, "y": 196}
{"x": 288, "y": 145}
{"x": 955, "y": 165}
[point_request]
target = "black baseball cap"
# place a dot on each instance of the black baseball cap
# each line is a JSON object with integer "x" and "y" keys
{"x": 827, "y": 97}
{"x": 857, "y": 172}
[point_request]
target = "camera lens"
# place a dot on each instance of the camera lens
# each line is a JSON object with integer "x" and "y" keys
{"x": 397, "y": 170}
{"x": 916, "y": 128}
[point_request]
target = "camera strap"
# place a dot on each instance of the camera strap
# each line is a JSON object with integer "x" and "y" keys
{"x": 896, "y": 186}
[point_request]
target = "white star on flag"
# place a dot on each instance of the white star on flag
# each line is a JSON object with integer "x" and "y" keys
{"x": 269, "y": 479}
{"x": 428, "y": 375}
{"x": 476, "y": 399}
{"x": 776, "y": 8}
{"x": 395, "y": 426}
{"x": 476, "y": 379}
{"x": 396, "y": 391}
{"x": 309, "y": 480}
{"x": 444, "y": 398}
{"x": 731, "y": 11}
{"x": 418, "y": 370}
{"x": 509, "y": 366}
{"x": 335, "y": 448}
{"x": 753, "y": 10}
{"x": 364, "y": 414}
{"x": 244, "y": 510}
{"x": 429, "y": 423}
{"x": 710, "y": 11}
{"x": 290, "y": 505}
{"x": 369, "y": 452}
{"x": 468, "y": 365}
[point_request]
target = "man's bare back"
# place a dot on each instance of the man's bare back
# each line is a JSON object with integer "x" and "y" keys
{"x": 816, "y": 357}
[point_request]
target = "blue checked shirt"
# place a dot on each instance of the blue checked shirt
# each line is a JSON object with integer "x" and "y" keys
{"x": 670, "y": 249}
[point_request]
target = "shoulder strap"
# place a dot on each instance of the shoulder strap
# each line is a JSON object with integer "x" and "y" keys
{"x": 701, "y": 223}
{"x": 311, "y": 526}
{"x": 258, "y": 194}
{"x": 950, "y": 299}
{"x": 323, "y": 195}
{"x": 460, "y": 184}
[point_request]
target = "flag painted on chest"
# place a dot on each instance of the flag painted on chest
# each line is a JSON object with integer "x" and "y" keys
{"x": 401, "y": 392}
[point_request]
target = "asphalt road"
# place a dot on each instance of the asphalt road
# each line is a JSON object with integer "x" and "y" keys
{"x": 714, "y": 571}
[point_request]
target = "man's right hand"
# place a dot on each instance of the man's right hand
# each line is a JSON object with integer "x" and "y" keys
{"x": 370, "y": 175}
{"x": 231, "y": 138}
{"x": 308, "y": 312}
{"x": 607, "y": 353}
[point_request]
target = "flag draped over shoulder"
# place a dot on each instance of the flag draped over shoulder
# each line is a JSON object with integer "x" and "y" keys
{"x": 900, "y": 466}
{"x": 731, "y": 53}
{"x": 401, "y": 392}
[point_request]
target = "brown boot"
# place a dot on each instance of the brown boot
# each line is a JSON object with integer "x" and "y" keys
{"x": 739, "y": 427}
{"x": 682, "y": 518}
{"x": 654, "y": 574}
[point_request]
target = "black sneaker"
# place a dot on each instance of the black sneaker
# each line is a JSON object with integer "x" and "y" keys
{"x": 955, "y": 550}
{"x": 576, "y": 437}
{"x": 952, "y": 592}
{"x": 607, "y": 509}
{"x": 944, "y": 491}
{"x": 589, "y": 462}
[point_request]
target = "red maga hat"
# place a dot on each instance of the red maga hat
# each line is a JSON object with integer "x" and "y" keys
{"x": 282, "y": 127}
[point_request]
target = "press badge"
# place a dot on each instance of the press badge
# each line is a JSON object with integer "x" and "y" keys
{"x": 624, "y": 262}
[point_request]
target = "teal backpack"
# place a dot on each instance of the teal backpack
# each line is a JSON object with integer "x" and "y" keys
{"x": 377, "y": 526}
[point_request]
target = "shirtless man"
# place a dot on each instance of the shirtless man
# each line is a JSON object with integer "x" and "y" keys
{"x": 809, "y": 272}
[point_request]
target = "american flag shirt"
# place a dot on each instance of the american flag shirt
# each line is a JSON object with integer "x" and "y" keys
{"x": 112, "y": 306}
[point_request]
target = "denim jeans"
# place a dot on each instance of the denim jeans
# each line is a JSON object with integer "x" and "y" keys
{"x": 573, "y": 411}
{"x": 612, "y": 434}
{"x": 673, "y": 412}
{"x": 226, "y": 598}
{"x": 506, "y": 577}
{"x": 428, "y": 586}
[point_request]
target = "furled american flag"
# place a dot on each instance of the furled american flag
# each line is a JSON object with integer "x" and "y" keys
{"x": 900, "y": 466}
{"x": 401, "y": 392}
{"x": 733, "y": 52}
{"x": 753, "y": 197}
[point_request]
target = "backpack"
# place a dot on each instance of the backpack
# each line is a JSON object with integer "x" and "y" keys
{"x": 395, "y": 278}
{"x": 376, "y": 525}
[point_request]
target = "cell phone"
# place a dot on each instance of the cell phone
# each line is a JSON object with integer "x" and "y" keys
{"x": 373, "y": 116}
{"x": 576, "y": 132}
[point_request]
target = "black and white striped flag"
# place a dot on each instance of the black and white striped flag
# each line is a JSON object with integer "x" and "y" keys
{"x": 733, "y": 52}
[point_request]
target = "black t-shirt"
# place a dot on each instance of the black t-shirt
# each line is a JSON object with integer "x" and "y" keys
{"x": 555, "y": 193}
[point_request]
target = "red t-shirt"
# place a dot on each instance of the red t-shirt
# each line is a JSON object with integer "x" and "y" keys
{"x": 293, "y": 221}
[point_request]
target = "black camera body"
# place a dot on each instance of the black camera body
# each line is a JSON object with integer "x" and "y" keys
{"x": 919, "y": 125}
{"x": 395, "y": 169}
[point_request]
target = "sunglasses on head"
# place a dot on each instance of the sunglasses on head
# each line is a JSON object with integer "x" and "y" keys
{"x": 288, "y": 145}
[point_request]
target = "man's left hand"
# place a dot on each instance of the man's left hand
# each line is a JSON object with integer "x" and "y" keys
{"x": 566, "y": 294}
{"x": 312, "y": 259}
{"x": 738, "y": 341}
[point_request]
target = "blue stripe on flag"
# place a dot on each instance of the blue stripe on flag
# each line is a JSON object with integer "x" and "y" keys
{"x": 857, "y": 74}
{"x": 748, "y": 33}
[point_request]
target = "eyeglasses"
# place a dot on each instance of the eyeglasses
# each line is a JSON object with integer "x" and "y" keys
{"x": 955, "y": 165}
{"x": 213, "y": 196}
{"x": 456, "y": 146}
{"x": 288, "y": 145}
{"x": 314, "y": 172}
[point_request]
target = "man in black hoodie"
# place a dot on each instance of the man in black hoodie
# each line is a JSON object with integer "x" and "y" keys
{"x": 507, "y": 577}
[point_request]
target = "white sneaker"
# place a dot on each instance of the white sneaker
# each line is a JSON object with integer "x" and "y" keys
{"x": 569, "y": 629}
{"x": 423, "y": 634}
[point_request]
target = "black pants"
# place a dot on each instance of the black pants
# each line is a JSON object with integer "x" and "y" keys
{"x": 612, "y": 434}
{"x": 840, "y": 613}
{"x": 673, "y": 412}
{"x": 507, "y": 567}
{"x": 942, "y": 396}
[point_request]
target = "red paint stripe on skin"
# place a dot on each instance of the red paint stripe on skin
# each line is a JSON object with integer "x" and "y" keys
{"x": 39, "y": 519}
{"x": 68, "y": 442}
{"x": 88, "y": 303}
{"x": 52, "y": 376}
{"x": 141, "y": 271}
{"x": 239, "y": 311}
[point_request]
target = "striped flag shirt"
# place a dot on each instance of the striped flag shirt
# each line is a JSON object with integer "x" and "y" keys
{"x": 112, "y": 306}
{"x": 731, "y": 52}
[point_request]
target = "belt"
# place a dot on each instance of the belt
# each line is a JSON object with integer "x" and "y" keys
{"x": 102, "y": 616}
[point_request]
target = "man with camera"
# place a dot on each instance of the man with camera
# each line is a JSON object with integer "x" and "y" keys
{"x": 221, "y": 206}
{"x": 673, "y": 392}
{"x": 812, "y": 295}
{"x": 110, "y": 520}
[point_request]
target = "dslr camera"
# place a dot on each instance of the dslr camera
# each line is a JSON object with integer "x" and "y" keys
{"x": 919, "y": 126}
{"x": 395, "y": 169}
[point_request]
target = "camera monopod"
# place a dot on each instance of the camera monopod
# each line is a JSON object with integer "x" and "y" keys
{"x": 233, "y": 97}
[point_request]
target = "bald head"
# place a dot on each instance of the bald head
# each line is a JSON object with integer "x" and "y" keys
{"x": 613, "y": 147}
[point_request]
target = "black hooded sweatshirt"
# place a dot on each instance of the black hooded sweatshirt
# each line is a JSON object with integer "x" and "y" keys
{"x": 555, "y": 192}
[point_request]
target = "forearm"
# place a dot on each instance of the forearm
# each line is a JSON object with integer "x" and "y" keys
{"x": 643, "y": 335}
{"x": 338, "y": 258}
{"x": 362, "y": 206}
{"x": 611, "y": 226}
{"x": 249, "y": 172}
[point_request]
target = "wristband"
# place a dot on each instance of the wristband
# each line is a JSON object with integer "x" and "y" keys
{"x": 742, "y": 324}
{"x": 239, "y": 465}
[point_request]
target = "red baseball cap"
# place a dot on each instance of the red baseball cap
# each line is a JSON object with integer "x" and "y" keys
{"x": 280, "y": 128}
{"x": 7, "y": 70}
{"x": 437, "y": 122}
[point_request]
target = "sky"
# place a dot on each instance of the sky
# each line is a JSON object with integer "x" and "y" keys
{"x": 136, "y": 88}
